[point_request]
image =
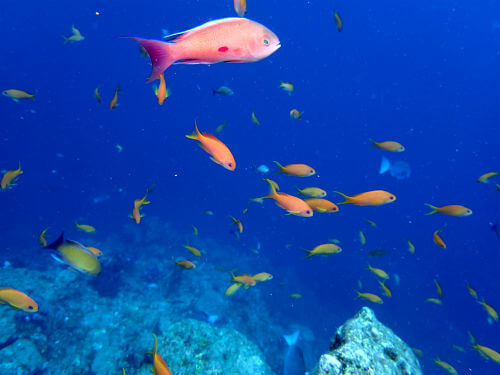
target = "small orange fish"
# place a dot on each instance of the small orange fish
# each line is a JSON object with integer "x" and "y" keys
{"x": 193, "y": 250}
{"x": 485, "y": 178}
{"x": 114, "y": 101}
{"x": 298, "y": 170}
{"x": 159, "y": 365}
{"x": 452, "y": 210}
{"x": 42, "y": 238}
{"x": 438, "y": 240}
{"x": 238, "y": 223}
{"x": 95, "y": 251}
{"x": 321, "y": 205}
{"x": 161, "y": 91}
{"x": 246, "y": 280}
{"x": 389, "y": 146}
{"x": 240, "y": 6}
{"x": 10, "y": 177}
{"x": 136, "y": 215}
{"x": 294, "y": 205}
{"x": 370, "y": 198}
{"x": 338, "y": 21}
{"x": 219, "y": 151}
{"x": 232, "y": 289}
{"x": 17, "y": 299}
{"x": 295, "y": 114}
{"x": 185, "y": 264}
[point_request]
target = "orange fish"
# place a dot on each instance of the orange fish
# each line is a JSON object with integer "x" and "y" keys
{"x": 295, "y": 114}
{"x": 294, "y": 205}
{"x": 10, "y": 177}
{"x": 389, "y": 146}
{"x": 237, "y": 40}
{"x": 298, "y": 170}
{"x": 42, "y": 238}
{"x": 161, "y": 91}
{"x": 95, "y": 251}
{"x": 136, "y": 215}
{"x": 185, "y": 264}
{"x": 438, "y": 240}
{"x": 452, "y": 210}
{"x": 238, "y": 223}
{"x": 321, "y": 205}
{"x": 246, "y": 280}
{"x": 17, "y": 299}
{"x": 114, "y": 101}
{"x": 240, "y": 6}
{"x": 370, "y": 198}
{"x": 219, "y": 151}
{"x": 159, "y": 365}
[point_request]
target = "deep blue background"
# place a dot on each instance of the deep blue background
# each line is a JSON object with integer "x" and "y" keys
{"x": 427, "y": 76}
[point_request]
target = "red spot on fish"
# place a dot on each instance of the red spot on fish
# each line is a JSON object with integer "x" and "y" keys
{"x": 223, "y": 49}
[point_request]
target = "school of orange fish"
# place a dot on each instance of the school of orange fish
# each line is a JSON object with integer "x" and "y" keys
{"x": 237, "y": 40}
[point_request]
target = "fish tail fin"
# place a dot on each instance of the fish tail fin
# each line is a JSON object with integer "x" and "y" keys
{"x": 374, "y": 143}
{"x": 279, "y": 166}
{"x": 196, "y": 133}
{"x": 358, "y": 294}
{"x": 160, "y": 54}
{"x": 309, "y": 253}
{"x": 54, "y": 245}
{"x": 292, "y": 339}
{"x": 347, "y": 198}
{"x": 272, "y": 192}
{"x": 385, "y": 165}
{"x": 434, "y": 209}
{"x": 155, "y": 346}
{"x": 65, "y": 39}
{"x": 298, "y": 190}
{"x": 472, "y": 339}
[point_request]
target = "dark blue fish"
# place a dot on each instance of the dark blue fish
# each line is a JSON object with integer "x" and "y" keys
{"x": 294, "y": 358}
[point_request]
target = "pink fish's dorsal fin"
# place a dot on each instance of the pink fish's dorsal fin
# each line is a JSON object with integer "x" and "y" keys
{"x": 172, "y": 38}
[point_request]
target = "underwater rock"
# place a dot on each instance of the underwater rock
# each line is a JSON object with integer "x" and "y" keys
{"x": 195, "y": 347}
{"x": 365, "y": 346}
{"x": 22, "y": 357}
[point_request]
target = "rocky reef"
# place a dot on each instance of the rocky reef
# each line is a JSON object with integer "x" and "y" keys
{"x": 365, "y": 346}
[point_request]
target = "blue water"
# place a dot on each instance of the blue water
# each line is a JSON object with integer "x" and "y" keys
{"x": 425, "y": 75}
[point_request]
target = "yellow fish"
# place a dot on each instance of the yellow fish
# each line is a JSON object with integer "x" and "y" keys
{"x": 490, "y": 310}
{"x": 85, "y": 228}
{"x": 75, "y": 37}
{"x": 42, "y": 238}
{"x": 287, "y": 87}
{"x": 295, "y": 114}
{"x": 484, "y": 351}
{"x": 97, "y": 95}
{"x": 411, "y": 247}
{"x": 486, "y": 177}
{"x": 193, "y": 250}
{"x": 295, "y": 296}
{"x": 312, "y": 192}
{"x": 195, "y": 230}
{"x": 254, "y": 119}
{"x": 435, "y": 301}
{"x": 370, "y": 297}
{"x": 379, "y": 272}
{"x": 324, "y": 249}
{"x": 362, "y": 238}
{"x": 385, "y": 288}
{"x": 16, "y": 94}
{"x": 262, "y": 276}
{"x": 439, "y": 290}
{"x": 446, "y": 366}
{"x": 75, "y": 255}
{"x": 221, "y": 127}
{"x": 371, "y": 222}
{"x": 232, "y": 289}
{"x": 472, "y": 292}
{"x": 338, "y": 21}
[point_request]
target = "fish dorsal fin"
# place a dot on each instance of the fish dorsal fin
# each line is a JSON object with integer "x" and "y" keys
{"x": 58, "y": 242}
{"x": 210, "y": 136}
{"x": 172, "y": 38}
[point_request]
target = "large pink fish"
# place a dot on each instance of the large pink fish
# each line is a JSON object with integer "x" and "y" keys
{"x": 236, "y": 40}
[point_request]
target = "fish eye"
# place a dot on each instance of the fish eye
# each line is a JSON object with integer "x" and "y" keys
{"x": 308, "y": 212}
{"x": 230, "y": 164}
{"x": 266, "y": 42}
{"x": 30, "y": 307}
{"x": 391, "y": 197}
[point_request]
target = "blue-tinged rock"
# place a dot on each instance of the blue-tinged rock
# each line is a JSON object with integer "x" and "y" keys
{"x": 365, "y": 346}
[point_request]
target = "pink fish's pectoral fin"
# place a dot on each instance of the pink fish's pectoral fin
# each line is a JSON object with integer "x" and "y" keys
{"x": 160, "y": 54}
{"x": 193, "y": 61}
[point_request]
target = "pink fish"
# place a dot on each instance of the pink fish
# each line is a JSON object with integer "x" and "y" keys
{"x": 236, "y": 40}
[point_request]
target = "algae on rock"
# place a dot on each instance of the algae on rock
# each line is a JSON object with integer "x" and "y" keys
{"x": 364, "y": 346}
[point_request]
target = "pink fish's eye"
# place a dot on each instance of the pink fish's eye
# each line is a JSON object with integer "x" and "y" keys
{"x": 266, "y": 42}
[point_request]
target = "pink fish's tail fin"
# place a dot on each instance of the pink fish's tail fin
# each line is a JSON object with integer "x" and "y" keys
{"x": 160, "y": 54}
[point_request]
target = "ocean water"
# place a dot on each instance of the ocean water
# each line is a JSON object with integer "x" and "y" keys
{"x": 426, "y": 75}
